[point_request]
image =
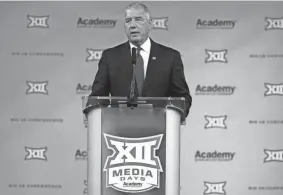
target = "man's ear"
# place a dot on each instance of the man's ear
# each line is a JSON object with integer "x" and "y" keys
{"x": 150, "y": 22}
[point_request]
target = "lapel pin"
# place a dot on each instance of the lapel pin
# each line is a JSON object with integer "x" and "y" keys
{"x": 154, "y": 58}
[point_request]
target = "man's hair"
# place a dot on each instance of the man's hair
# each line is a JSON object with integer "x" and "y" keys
{"x": 138, "y": 5}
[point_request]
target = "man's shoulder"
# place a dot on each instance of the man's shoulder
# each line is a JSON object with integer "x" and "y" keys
{"x": 165, "y": 48}
{"x": 116, "y": 48}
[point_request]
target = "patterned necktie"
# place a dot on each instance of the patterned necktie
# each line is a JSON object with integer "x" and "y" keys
{"x": 139, "y": 71}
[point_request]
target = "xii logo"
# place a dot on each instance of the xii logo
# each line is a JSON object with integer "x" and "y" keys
{"x": 133, "y": 167}
{"x": 216, "y": 56}
{"x": 215, "y": 122}
{"x": 214, "y": 188}
{"x": 160, "y": 23}
{"x": 36, "y": 153}
{"x": 37, "y": 87}
{"x": 273, "y": 89}
{"x": 273, "y": 155}
{"x": 85, "y": 190}
{"x": 93, "y": 54}
{"x": 38, "y": 21}
{"x": 274, "y": 23}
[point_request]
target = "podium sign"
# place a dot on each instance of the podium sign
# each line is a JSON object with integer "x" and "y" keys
{"x": 133, "y": 150}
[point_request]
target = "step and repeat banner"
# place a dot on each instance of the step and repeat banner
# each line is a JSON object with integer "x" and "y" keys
{"x": 233, "y": 59}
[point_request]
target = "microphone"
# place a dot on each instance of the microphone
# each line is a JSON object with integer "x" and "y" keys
{"x": 133, "y": 92}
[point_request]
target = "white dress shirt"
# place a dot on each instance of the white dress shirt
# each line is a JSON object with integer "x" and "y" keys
{"x": 144, "y": 53}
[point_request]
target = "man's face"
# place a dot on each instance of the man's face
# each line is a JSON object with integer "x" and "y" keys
{"x": 137, "y": 26}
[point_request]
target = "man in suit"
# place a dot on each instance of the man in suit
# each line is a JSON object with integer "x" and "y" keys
{"x": 161, "y": 67}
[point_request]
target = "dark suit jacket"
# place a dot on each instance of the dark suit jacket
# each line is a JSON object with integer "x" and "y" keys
{"x": 164, "y": 76}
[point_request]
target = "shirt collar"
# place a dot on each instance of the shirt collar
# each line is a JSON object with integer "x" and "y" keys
{"x": 145, "y": 46}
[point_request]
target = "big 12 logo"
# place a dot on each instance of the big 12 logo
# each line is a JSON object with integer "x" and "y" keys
{"x": 133, "y": 167}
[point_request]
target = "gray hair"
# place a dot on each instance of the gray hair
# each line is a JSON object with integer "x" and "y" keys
{"x": 138, "y": 5}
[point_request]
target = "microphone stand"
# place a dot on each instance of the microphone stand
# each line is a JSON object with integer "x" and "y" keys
{"x": 132, "y": 99}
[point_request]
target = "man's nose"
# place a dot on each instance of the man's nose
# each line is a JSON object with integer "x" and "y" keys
{"x": 133, "y": 24}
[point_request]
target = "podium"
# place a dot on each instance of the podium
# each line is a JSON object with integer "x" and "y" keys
{"x": 133, "y": 150}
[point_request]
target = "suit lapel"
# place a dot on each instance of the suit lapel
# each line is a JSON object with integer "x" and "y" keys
{"x": 152, "y": 61}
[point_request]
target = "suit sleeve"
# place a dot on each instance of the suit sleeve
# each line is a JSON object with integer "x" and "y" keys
{"x": 101, "y": 83}
{"x": 178, "y": 84}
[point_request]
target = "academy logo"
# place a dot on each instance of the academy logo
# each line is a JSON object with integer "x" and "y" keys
{"x": 274, "y": 23}
{"x": 215, "y": 90}
{"x": 216, "y": 56}
{"x": 273, "y": 89}
{"x": 214, "y": 188}
{"x": 36, "y": 153}
{"x": 215, "y": 24}
{"x": 96, "y": 23}
{"x": 133, "y": 167}
{"x": 82, "y": 89}
{"x": 35, "y": 87}
{"x": 93, "y": 55}
{"x": 214, "y": 156}
{"x": 38, "y": 21}
{"x": 215, "y": 122}
{"x": 273, "y": 155}
{"x": 160, "y": 23}
{"x": 81, "y": 155}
